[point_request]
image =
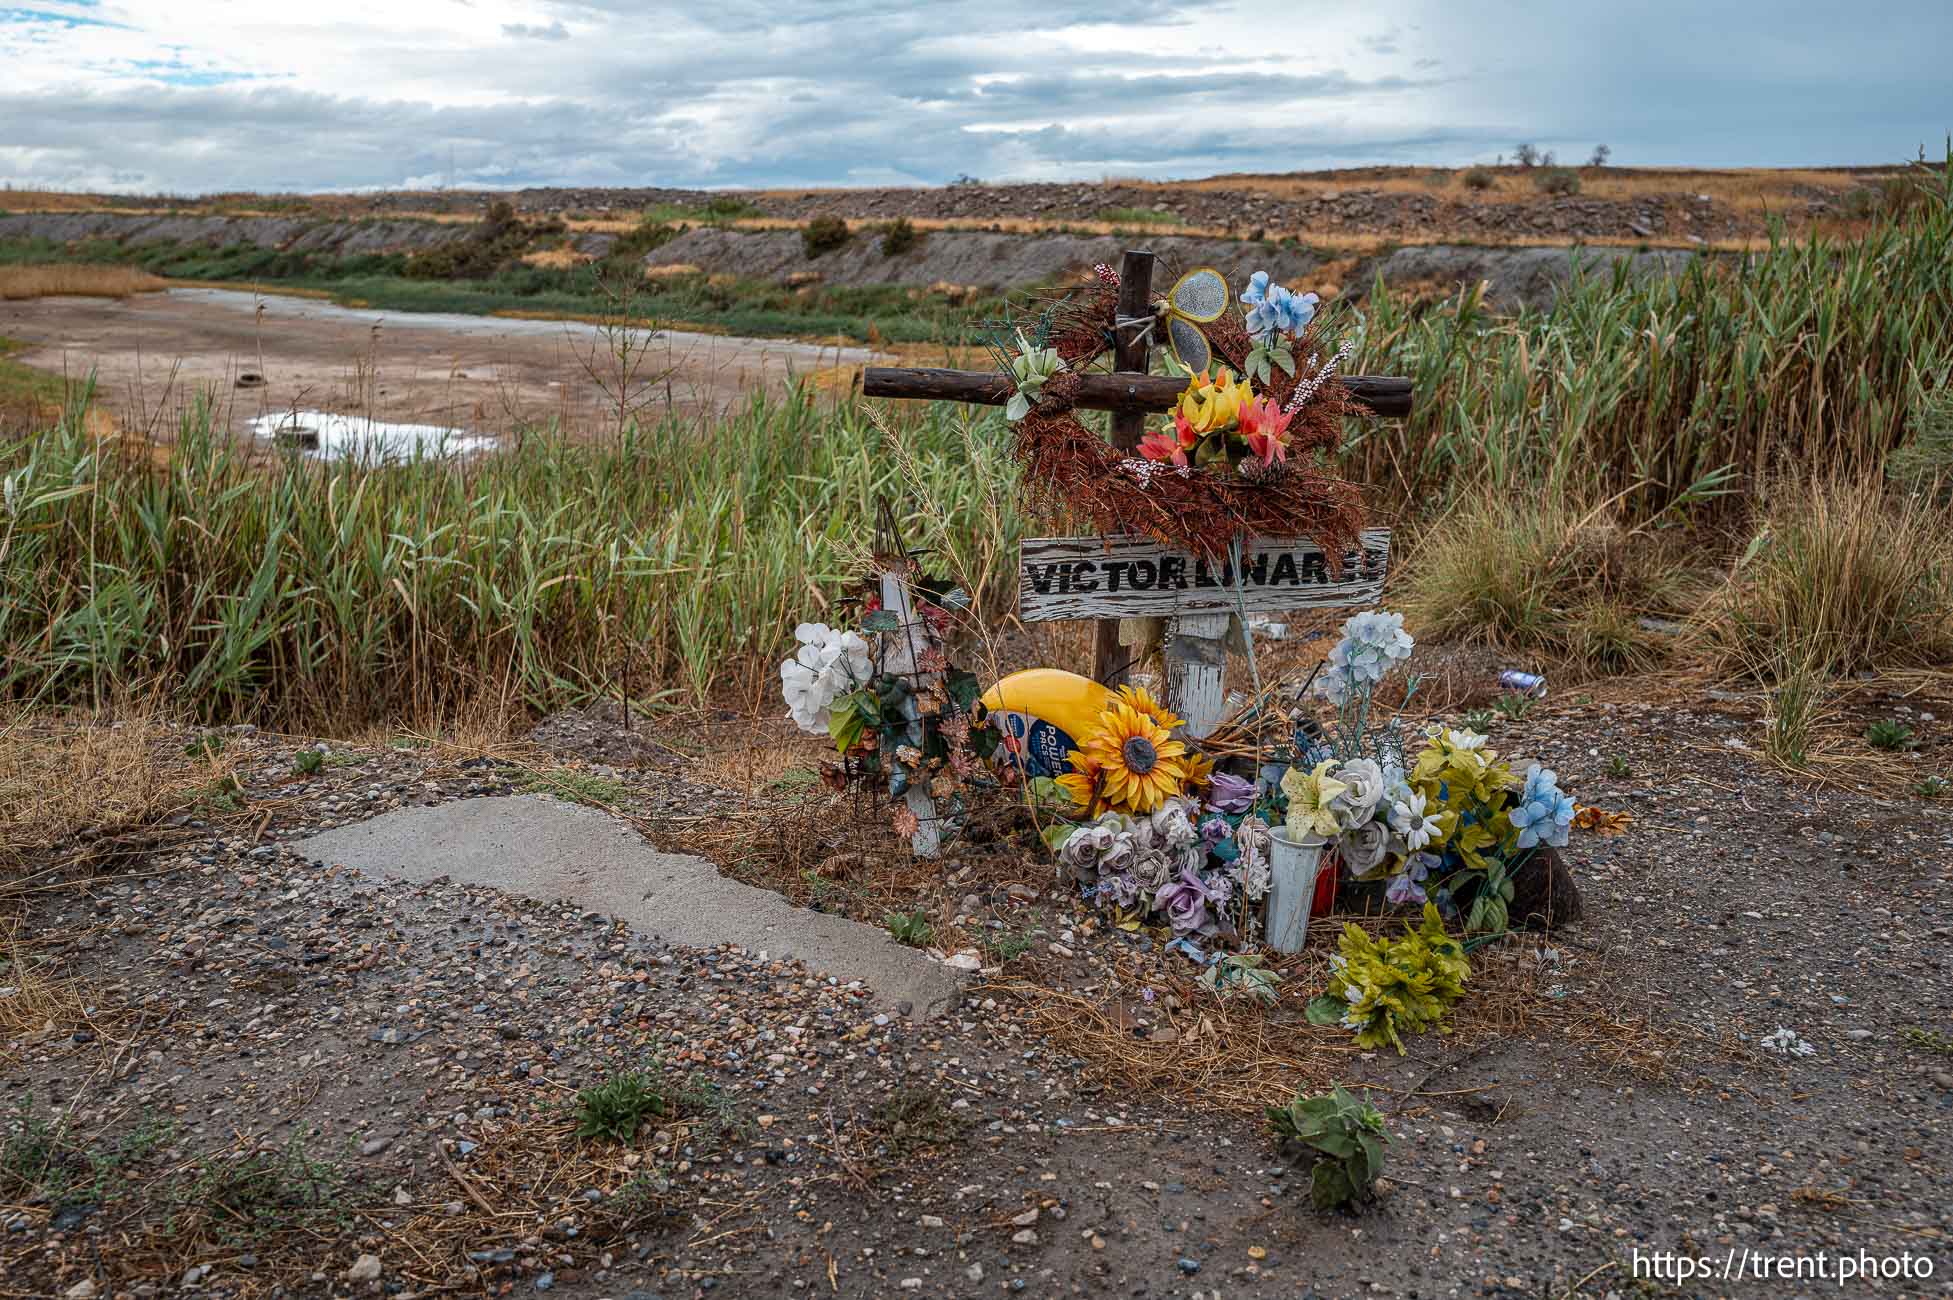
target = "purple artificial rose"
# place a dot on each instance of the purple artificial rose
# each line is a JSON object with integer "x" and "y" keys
{"x": 1119, "y": 888}
{"x": 1185, "y": 901}
{"x": 1230, "y": 794}
{"x": 1215, "y": 831}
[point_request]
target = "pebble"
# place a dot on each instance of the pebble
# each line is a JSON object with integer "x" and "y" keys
{"x": 365, "y": 1269}
{"x": 1028, "y": 1237}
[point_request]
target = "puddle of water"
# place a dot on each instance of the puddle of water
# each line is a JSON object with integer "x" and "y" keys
{"x": 327, "y": 436}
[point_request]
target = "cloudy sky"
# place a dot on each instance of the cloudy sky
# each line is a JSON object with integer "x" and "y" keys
{"x": 201, "y": 95}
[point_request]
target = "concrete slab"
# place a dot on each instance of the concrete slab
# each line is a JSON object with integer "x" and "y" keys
{"x": 549, "y": 850}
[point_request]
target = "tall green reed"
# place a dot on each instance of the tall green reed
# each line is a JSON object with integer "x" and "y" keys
{"x": 299, "y": 593}
{"x": 1806, "y": 357}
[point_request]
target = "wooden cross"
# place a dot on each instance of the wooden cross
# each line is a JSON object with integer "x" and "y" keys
{"x": 1130, "y": 577}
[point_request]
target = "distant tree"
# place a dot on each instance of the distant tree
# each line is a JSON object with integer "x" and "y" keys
{"x": 1601, "y": 154}
{"x": 1526, "y": 155}
{"x": 1547, "y": 160}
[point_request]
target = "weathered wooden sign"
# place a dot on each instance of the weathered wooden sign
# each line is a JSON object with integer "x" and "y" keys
{"x": 1136, "y": 577}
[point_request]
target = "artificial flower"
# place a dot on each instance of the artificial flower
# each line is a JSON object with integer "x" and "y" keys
{"x": 1215, "y": 830}
{"x": 1030, "y": 368}
{"x": 1161, "y": 445}
{"x": 1408, "y": 885}
{"x": 1185, "y": 898}
{"x": 828, "y": 664}
{"x": 1120, "y": 889}
{"x": 1138, "y": 758}
{"x": 1310, "y": 795}
{"x": 1153, "y": 867}
{"x": 1142, "y": 699}
{"x": 1364, "y": 848}
{"x": 1210, "y": 405}
{"x": 1362, "y": 782}
{"x": 1251, "y": 840}
{"x": 1373, "y": 643}
{"x": 1275, "y": 309}
{"x": 1265, "y": 427}
{"x": 1171, "y": 825}
{"x": 1230, "y": 794}
{"x": 1200, "y": 770}
{"x": 1415, "y": 827}
{"x": 1541, "y": 814}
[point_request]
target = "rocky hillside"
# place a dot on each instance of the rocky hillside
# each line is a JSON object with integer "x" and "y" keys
{"x": 972, "y": 259}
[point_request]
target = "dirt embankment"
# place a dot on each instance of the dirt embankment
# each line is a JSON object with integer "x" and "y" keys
{"x": 1514, "y": 276}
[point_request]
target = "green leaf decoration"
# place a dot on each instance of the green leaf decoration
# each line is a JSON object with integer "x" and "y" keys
{"x": 1285, "y": 359}
{"x": 1390, "y": 986}
{"x": 845, "y": 723}
{"x": 1325, "y": 1010}
{"x": 1056, "y": 834}
{"x": 882, "y": 620}
{"x": 963, "y": 689}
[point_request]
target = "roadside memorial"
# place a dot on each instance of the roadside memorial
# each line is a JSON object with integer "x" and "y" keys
{"x": 1173, "y": 810}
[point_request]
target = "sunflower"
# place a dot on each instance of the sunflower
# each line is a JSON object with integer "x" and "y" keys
{"x": 1141, "y": 761}
{"x": 1200, "y": 769}
{"x": 1142, "y": 700}
{"x": 1081, "y": 783}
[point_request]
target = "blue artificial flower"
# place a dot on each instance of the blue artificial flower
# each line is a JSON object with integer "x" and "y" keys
{"x": 1275, "y": 310}
{"x": 1542, "y": 814}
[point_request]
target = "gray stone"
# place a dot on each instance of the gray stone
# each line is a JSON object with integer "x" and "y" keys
{"x": 550, "y": 850}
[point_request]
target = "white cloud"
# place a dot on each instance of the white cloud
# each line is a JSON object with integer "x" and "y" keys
{"x": 203, "y": 94}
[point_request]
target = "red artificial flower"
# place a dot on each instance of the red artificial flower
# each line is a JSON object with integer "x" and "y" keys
{"x": 1265, "y": 427}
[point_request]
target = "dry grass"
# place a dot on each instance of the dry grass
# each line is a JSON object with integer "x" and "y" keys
{"x": 78, "y": 798}
{"x": 1842, "y": 575}
{"x": 1544, "y": 576}
{"x": 60, "y": 280}
{"x": 1236, "y": 1056}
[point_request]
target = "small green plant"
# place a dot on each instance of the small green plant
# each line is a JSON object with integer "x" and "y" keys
{"x": 1557, "y": 180}
{"x": 1478, "y": 719}
{"x": 824, "y": 235}
{"x": 898, "y": 237}
{"x": 1008, "y": 945}
{"x": 308, "y": 762}
{"x": 248, "y": 1194}
{"x": 1890, "y": 734}
{"x": 205, "y": 748}
{"x": 1343, "y": 1136}
{"x": 575, "y": 785}
{"x": 1618, "y": 768}
{"x": 612, "y": 1110}
{"x": 1477, "y": 178}
{"x": 1930, "y": 1041}
{"x": 1514, "y": 708}
{"x": 1383, "y": 987}
{"x": 1933, "y": 787}
{"x": 911, "y": 928}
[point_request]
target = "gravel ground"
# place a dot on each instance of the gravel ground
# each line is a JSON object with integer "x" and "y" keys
{"x": 426, "y": 1041}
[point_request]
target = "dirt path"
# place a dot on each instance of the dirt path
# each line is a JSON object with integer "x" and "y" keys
{"x": 153, "y": 353}
{"x": 1609, "y": 1093}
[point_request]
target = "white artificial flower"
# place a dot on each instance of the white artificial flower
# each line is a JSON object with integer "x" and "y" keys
{"x": 1358, "y": 803}
{"x": 1460, "y": 738}
{"x": 1364, "y": 848}
{"x": 1413, "y": 826}
{"x": 827, "y": 665}
{"x": 1173, "y": 822}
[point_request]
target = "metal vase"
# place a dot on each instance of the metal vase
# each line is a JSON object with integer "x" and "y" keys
{"x": 1292, "y": 888}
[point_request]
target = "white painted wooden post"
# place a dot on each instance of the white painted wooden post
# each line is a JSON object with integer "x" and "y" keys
{"x": 909, "y": 638}
{"x": 1196, "y": 670}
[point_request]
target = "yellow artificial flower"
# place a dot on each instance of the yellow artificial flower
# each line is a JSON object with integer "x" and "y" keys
{"x": 1200, "y": 769}
{"x": 1209, "y": 405}
{"x": 1080, "y": 782}
{"x": 1141, "y": 761}
{"x": 1309, "y": 796}
{"x": 1142, "y": 699}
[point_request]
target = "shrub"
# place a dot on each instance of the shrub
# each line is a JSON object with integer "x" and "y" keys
{"x": 1557, "y": 180}
{"x": 824, "y": 235}
{"x": 1890, "y": 734}
{"x": 1477, "y": 178}
{"x": 1526, "y": 155}
{"x": 911, "y": 928}
{"x": 899, "y": 237}
{"x": 1841, "y": 575}
{"x": 1345, "y": 1138}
